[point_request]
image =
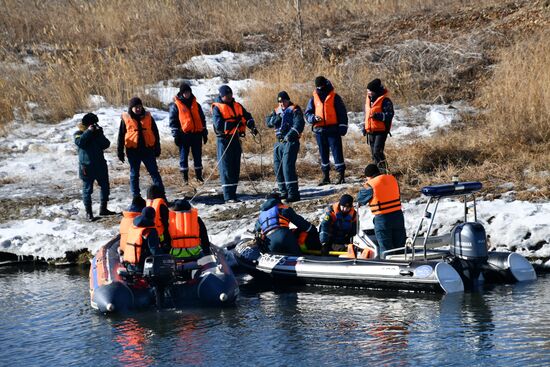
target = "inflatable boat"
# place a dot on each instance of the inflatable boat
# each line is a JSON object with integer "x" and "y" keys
{"x": 444, "y": 264}
{"x": 164, "y": 282}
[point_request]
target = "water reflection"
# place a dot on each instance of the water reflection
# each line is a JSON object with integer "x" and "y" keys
{"x": 132, "y": 338}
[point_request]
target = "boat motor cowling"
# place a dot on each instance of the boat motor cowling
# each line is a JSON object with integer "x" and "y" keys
{"x": 159, "y": 269}
{"x": 469, "y": 241}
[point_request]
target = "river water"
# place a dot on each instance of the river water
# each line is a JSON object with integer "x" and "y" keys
{"x": 45, "y": 319}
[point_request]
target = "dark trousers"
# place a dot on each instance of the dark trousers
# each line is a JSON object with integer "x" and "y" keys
{"x": 229, "y": 166}
{"x": 191, "y": 143}
{"x": 88, "y": 188}
{"x": 330, "y": 142}
{"x": 283, "y": 241}
{"x": 377, "y": 143}
{"x": 390, "y": 231}
{"x": 285, "y": 155}
{"x": 135, "y": 158}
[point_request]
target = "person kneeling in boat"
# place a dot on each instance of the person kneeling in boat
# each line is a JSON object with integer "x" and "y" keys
{"x": 128, "y": 216}
{"x": 142, "y": 240}
{"x": 381, "y": 193}
{"x": 157, "y": 200}
{"x": 338, "y": 226}
{"x": 273, "y": 223}
{"x": 188, "y": 232}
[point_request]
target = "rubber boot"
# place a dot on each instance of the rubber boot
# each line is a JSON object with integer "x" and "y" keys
{"x": 185, "y": 175}
{"x": 198, "y": 175}
{"x": 341, "y": 178}
{"x": 103, "y": 209}
{"x": 89, "y": 214}
{"x": 326, "y": 178}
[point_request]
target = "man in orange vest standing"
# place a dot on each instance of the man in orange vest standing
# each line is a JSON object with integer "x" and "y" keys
{"x": 381, "y": 192}
{"x": 327, "y": 114}
{"x": 230, "y": 121}
{"x": 378, "y": 118}
{"x": 188, "y": 127}
{"x": 138, "y": 133}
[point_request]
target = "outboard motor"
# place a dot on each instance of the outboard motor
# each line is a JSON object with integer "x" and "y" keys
{"x": 469, "y": 250}
{"x": 159, "y": 271}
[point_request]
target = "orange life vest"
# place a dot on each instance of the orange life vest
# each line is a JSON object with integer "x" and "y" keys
{"x": 190, "y": 119}
{"x": 133, "y": 127}
{"x": 155, "y": 204}
{"x": 325, "y": 109}
{"x": 336, "y": 213}
{"x": 371, "y": 124}
{"x": 134, "y": 244}
{"x": 184, "y": 228}
{"x": 385, "y": 198}
{"x": 125, "y": 223}
{"x": 233, "y": 117}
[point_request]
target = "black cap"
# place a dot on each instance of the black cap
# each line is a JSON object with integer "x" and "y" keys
{"x": 184, "y": 87}
{"x": 346, "y": 200}
{"x": 376, "y": 86}
{"x": 371, "y": 170}
{"x": 154, "y": 192}
{"x": 283, "y": 95}
{"x": 225, "y": 90}
{"x": 89, "y": 119}
{"x": 181, "y": 205}
{"x": 135, "y": 101}
{"x": 320, "y": 81}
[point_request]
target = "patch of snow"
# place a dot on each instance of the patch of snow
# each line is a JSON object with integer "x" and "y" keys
{"x": 226, "y": 64}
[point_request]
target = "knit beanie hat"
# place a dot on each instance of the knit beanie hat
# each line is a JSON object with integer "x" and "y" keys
{"x": 154, "y": 192}
{"x": 346, "y": 200}
{"x": 181, "y": 205}
{"x": 225, "y": 90}
{"x": 371, "y": 170}
{"x": 89, "y": 119}
{"x": 375, "y": 86}
{"x": 135, "y": 101}
{"x": 283, "y": 95}
{"x": 320, "y": 81}
{"x": 184, "y": 87}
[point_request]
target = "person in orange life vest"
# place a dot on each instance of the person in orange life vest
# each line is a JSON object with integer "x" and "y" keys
{"x": 157, "y": 200}
{"x": 381, "y": 193}
{"x": 128, "y": 215}
{"x": 142, "y": 240}
{"x": 188, "y": 127}
{"x": 288, "y": 121}
{"x": 378, "y": 119}
{"x": 339, "y": 225}
{"x": 327, "y": 114}
{"x": 189, "y": 239}
{"x": 230, "y": 120}
{"x": 91, "y": 143}
{"x": 273, "y": 224}
{"x": 139, "y": 135}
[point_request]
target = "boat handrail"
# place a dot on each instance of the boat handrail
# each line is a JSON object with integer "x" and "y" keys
{"x": 452, "y": 189}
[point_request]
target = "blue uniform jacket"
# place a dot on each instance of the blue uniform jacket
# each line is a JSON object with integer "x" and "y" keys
{"x": 288, "y": 123}
{"x": 299, "y": 221}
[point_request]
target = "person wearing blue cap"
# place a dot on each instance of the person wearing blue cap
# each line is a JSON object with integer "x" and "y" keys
{"x": 230, "y": 120}
{"x": 288, "y": 121}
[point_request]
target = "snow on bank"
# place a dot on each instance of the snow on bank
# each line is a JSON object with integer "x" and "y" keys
{"x": 226, "y": 64}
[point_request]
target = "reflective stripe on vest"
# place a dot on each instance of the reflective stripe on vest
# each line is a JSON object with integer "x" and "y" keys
{"x": 325, "y": 109}
{"x": 371, "y": 124}
{"x": 287, "y": 120}
{"x": 190, "y": 119}
{"x": 125, "y": 223}
{"x": 272, "y": 219}
{"x": 386, "y": 198}
{"x": 132, "y": 130}
{"x": 232, "y": 116}
{"x": 155, "y": 204}
{"x": 342, "y": 220}
{"x": 134, "y": 244}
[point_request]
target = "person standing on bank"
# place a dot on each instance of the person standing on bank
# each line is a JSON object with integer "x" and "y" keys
{"x": 381, "y": 193}
{"x": 288, "y": 121}
{"x": 91, "y": 143}
{"x": 188, "y": 127}
{"x": 138, "y": 133}
{"x": 327, "y": 114}
{"x": 378, "y": 118}
{"x": 230, "y": 121}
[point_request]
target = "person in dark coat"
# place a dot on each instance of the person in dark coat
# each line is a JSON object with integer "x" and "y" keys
{"x": 230, "y": 120}
{"x": 288, "y": 121}
{"x": 339, "y": 225}
{"x": 327, "y": 114}
{"x": 92, "y": 166}
{"x": 378, "y": 119}
{"x": 381, "y": 193}
{"x": 139, "y": 136}
{"x": 273, "y": 224}
{"x": 188, "y": 127}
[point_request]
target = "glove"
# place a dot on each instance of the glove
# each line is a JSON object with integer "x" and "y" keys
{"x": 364, "y": 132}
{"x": 251, "y": 124}
{"x": 204, "y": 138}
{"x": 342, "y": 130}
{"x": 121, "y": 156}
{"x": 177, "y": 139}
{"x": 254, "y": 131}
{"x": 378, "y": 116}
{"x": 242, "y": 135}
